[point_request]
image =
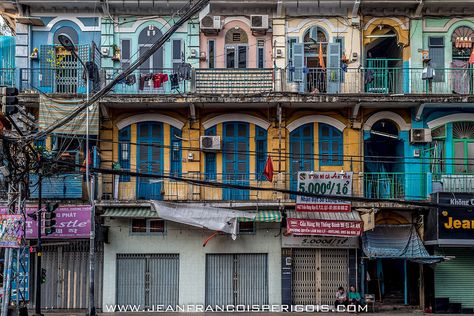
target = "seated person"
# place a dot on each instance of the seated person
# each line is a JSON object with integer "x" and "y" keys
{"x": 341, "y": 297}
{"x": 354, "y": 297}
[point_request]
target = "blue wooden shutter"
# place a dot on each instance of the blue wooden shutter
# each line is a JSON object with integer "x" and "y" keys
{"x": 210, "y": 160}
{"x": 333, "y": 67}
{"x": 175, "y": 154}
{"x": 298, "y": 60}
{"x": 124, "y": 152}
{"x": 261, "y": 152}
{"x": 330, "y": 145}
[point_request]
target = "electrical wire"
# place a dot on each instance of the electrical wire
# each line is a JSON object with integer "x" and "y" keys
{"x": 223, "y": 185}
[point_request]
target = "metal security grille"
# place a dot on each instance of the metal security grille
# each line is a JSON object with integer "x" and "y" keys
{"x": 67, "y": 276}
{"x": 317, "y": 273}
{"x": 147, "y": 279}
{"x": 334, "y": 273}
{"x": 238, "y": 279}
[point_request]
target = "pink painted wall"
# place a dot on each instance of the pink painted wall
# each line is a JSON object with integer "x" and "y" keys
{"x": 252, "y": 45}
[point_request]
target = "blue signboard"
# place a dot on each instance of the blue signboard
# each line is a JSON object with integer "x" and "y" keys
{"x": 23, "y": 279}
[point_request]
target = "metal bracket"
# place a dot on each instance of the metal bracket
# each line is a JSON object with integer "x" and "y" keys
{"x": 419, "y": 111}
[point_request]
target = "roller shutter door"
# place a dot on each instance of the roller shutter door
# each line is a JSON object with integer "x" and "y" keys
{"x": 147, "y": 279}
{"x": 317, "y": 273}
{"x": 236, "y": 279}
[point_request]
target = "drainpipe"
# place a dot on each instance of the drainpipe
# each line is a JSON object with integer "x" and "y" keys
{"x": 279, "y": 136}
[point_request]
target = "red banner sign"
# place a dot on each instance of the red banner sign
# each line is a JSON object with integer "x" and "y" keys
{"x": 324, "y": 227}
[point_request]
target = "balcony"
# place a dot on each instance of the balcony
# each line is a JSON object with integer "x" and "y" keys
{"x": 459, "y": 183}
{"x": 409, "y": 186}
{"x": 7, "y": 77}
{"x": 234, "y": 81}
{"x": 67, "y": 186}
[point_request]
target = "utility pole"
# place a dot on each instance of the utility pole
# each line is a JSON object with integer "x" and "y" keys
{"x": 39, "y": 254}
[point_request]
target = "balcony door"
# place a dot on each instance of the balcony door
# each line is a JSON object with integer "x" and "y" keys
{"x": 146, "y": 39}
{"x": 236, "y": 159}
{"x": 236, "y": 49}
{"x": 150, "y": 160}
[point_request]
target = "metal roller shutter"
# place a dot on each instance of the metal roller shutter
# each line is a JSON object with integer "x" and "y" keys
{"x": 454, "y": 278}
{"x": 236, "y": 279}
{"x": 317, "y": 273}
{"x": 148, "y": 280}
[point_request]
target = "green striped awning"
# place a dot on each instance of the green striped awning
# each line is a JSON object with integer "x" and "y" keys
{"x": 130, "y": 212}
{"x": 264, "y": 216}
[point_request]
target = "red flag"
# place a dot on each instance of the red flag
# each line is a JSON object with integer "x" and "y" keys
{"x": 321, "y": 57}
{"x": 268, "y": 170}
{"x": 471, "y": 58}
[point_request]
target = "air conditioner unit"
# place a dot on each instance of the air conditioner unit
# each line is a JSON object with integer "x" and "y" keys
{"x": 211, "y": 22}
{"x": 210, "y": 143}
{"x": 259, "y": 22}
{"x": 420, "y": 135}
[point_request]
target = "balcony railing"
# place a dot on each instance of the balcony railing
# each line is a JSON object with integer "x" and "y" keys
{"x": 410, "y": 186}
{"x": 234, "y": 81}
{"x": 60, "y": 187}
{"x": 453, "y": 183}
{"x": 253, "y": 81}
{"x": 7, "y": 77}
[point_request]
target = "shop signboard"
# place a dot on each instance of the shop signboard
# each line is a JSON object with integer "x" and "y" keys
{"x": 11, "y": 230}
{"x": 72, "y": 221}
{"x": 292, "y": 241}
{"x": 324, "y": 183}
{"x": 324, "y": 227}
{"x": 451, "y": 226}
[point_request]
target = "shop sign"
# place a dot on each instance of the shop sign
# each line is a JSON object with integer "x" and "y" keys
{"x": 11, "y": 230}
{"x": 324, "y": 183}
{"x": 454, "y": 223}
{"x": 319, "y": 242}
{"x": 72, "y": 221}
{"x": 324, "y": 227}
{"x": 22, "y": 280}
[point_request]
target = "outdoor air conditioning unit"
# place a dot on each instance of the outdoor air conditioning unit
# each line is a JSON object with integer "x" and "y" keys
{"x": 211, "y": 23}
{"x": 259, "y": 22}
{"x": 210, "y": 143}
{"x": 420, "y": 135}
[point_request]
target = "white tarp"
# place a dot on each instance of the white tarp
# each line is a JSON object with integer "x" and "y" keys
{"x": 212, "y": 218}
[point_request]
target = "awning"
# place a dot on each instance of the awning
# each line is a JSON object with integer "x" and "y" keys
{"x": 339, "y": 224}
{"x": 130, "y": 212}
{"x": 212, "y": 218}
{"x": 396, "y": 242}
{"x": 264, "y": 216}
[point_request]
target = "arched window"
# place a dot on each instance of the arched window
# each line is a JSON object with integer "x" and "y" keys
{"x": 330, "y": 145}
{"x": 69, "y": 31}
{"x": 147, "y": 37}
{"x": 236, "y": 48}
{"x": 301, "y": 151}
{"x": 313, "y": 37}
{"x": 461, "y": 39}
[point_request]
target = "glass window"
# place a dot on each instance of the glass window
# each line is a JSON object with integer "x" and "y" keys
{"x": 261, "y": 54}
{"x": 242, "y": 56}
{"x": 126, "y": 53}
{"x": 177, "y": 54}
{"x": 138, "y": 225}
{"x": 175, "y": 152}
{"x": 211, "y": 47}
{"x": 156, "y": 226}
{"x": 230, "y": 57}
{"x": 436, "y": 53}
{"x": 459, "y": 157}
{"x": 246, "y": 227}
{"x": 330, "y": 145}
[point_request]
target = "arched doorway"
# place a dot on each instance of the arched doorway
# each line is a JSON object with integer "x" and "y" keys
{"x": 147, "y": 37}
{"x": 383, "y": 161}
{"x": 315, "y": 54}
{"x": 384, "y": 61}
{"x": 461, "y": 45}
{"x": 236, "y": 48}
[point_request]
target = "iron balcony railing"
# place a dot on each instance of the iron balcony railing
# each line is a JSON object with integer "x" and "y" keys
{"x": 409, "y": 186}
{"x": 234, "y": 81}
{"x": 254, "y": 81}
{"x": 461, "y": 183}
{"x": 7, "y": 77}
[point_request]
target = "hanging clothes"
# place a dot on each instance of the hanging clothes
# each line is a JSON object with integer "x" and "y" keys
{"x": 174, "y": 81}
{"x": 184, "y": 71}
{"x": 130, "y": 80}
{"x": 94, "y": 77}
{"x": 159, "y": 79}
{"x": 144, "y": 78}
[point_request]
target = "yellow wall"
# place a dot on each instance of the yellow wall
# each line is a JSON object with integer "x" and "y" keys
{"x": 195, "y": 168}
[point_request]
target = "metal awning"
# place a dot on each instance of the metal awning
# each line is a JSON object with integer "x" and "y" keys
{"x": 130, "y": 212}
{"x": 396, "y": 242}
{"x": 264, "y": 216}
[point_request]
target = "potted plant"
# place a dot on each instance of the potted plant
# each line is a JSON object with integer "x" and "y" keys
{"x": 116, "y": 53}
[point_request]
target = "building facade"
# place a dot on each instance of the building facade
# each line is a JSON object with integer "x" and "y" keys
{"x": 382, "y": 94}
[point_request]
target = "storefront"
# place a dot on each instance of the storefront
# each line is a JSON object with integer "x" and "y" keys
{"x": 319, "y": 256}
{"x": 151, "y": 261}
{"x": 451, "y": 233}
